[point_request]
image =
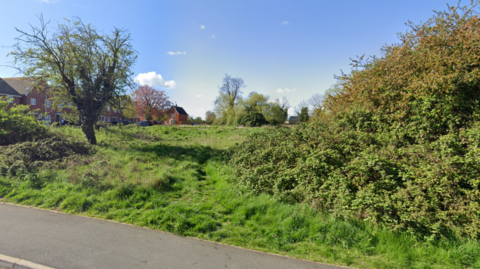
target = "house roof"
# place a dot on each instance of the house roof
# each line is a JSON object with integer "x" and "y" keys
{"x": 180, "y": 110}
{"x": 6, "y": 89}
{"x": 294, "y": 118}
{"x": 16, "y": 86}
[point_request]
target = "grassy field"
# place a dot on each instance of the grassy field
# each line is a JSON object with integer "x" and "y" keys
{"x": 174, "y": 179}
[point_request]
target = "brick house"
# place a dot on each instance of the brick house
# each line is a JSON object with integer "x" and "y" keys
{"x": 177, "y": 115}
{"x": 110, "y": 115}
{"x": 24, "y": 91}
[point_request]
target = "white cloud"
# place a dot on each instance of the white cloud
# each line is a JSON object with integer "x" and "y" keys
{"x": 201, "y": 109}
{"x": 153, "y": 79}
{"x": 213, "y": 36}
{"x": 202, "y": 27}
{"x": 176, "y": 53}
{"x": 199, "y": 95}
{"x": 279, "y": 90}
{"x": 291, "y": 111}
{"x": 285, "y": 23}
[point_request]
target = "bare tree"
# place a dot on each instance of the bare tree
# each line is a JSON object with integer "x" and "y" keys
{"x": 298, "y": 108}
{"x": 232, "y": 89}
{"x": 316, "y": 101}
{"x": 81, "y": 65}
{"x": 283, "y": 103}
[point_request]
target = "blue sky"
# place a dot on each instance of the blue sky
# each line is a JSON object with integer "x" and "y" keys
{"x": 290, "y": 48}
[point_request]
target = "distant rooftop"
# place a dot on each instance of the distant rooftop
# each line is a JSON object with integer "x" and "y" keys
{"x": 180, "y": 110}
{"x": 16, "y": 86}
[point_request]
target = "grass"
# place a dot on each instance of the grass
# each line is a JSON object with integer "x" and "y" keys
{"x": 173, "y": 179}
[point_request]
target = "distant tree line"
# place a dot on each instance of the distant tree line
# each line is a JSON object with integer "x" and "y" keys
{"x": 256, "y": 109}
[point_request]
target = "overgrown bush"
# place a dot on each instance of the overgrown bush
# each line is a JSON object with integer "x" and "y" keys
{"x": 253, "y": 119}
{"x": 48, "y": 152}
{"x": 430, "y": 188}
{"x": 18, "y": 124}
{"x": 398, "y": 145}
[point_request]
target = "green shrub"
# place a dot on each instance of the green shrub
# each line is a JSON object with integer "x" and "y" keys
{"x": 253, "y": 119}
{"x": 397, "y": 145}
{"x": 430, "y": 189}
{"x": 18, "y": 124}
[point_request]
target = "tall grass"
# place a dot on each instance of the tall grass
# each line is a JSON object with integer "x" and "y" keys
{"x": 173, "y": 179}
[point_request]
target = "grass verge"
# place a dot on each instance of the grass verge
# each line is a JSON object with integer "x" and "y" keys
{"x": 173, "y": 179}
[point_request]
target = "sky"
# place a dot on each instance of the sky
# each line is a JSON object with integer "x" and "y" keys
{"x": 280, "y": 48}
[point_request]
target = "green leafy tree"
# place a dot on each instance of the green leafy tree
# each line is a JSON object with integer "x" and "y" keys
{"x": 210, "y": 117}
{"x": 303, "y": 116}
{"x": 198, "y": 120}
{"x": 80, "y": 65}
{"x": 256, "y": 102}
{"x": 253, "y": 119}
{"x": 277, "y": 112}
{"x": 274, "y": 112}
{"x": 127, "y": 108}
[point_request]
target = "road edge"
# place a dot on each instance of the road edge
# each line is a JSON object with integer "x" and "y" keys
{"x": 161, "y": 231}
{"x": 8, "y": 262}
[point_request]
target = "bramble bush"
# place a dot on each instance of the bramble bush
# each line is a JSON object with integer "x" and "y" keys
{"x": 51, "y": 152}
{"x": 18, "y": 124}
{"x": 26, "y": 144}
{"x": 397, "y": 145}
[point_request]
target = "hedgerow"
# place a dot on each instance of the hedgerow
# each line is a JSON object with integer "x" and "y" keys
{"x": 398, "y": 145}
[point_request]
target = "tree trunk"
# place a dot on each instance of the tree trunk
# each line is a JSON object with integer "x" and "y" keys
{"x": 88, "y": 127}
{"x": 89, "y": 131}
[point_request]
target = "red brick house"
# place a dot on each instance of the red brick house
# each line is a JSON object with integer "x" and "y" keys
{"x": 24, "y": 91}
{"x": 177, "y": 115}
{"x": 110, "y": 115}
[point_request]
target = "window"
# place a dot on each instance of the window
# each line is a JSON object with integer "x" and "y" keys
{"x": 60, "y": 105}
{"x": 171, "y": 115}
{"x": 10, "y": 99}
{"x": 108, "y": 108}
{"x": 49, "y": 118}
{"x": 115, "y": 110}
{"x": 114, "y": 119}
{"x": 48, "y": 103}
{"x": 120, "y": 119}
{"x": 69, "y": 104}
{"x": 33, "y": 101}
{"x": 108, "y": 119}
{"x": 40, "y": 116}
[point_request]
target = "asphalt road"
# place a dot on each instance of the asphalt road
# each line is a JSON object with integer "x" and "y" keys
{"x": 67, "y": 241}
